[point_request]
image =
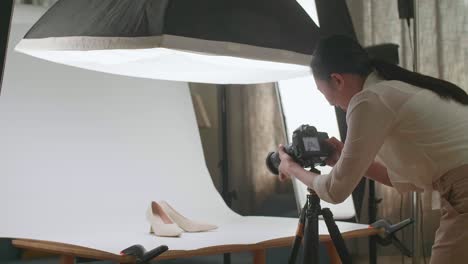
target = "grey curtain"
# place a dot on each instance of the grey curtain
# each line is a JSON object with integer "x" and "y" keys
{"x": 443, "y": 34}
{"x": 443, "y": 53}
{"x": 255, "y": 128}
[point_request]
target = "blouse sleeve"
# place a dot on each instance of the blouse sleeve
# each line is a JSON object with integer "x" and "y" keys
{"x": 369, "y": 122}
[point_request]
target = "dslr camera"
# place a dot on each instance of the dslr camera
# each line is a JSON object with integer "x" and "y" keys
{"x": 308, "y": 148}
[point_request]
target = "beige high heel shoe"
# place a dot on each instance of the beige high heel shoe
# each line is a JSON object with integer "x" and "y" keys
{"x": 161, "y": 224}
{"x": 186, "y": 224}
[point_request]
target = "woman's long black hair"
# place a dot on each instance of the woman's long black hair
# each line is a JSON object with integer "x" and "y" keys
{"x": 341, "y": 54}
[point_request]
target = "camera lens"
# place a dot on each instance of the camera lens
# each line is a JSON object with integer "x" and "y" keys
{"x": 273, "y": 161}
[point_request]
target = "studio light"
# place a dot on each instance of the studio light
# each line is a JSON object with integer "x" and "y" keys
{"x": 208, "y": 41}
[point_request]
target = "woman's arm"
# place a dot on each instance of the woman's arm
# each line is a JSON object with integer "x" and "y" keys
{"x": 369, "y": 122}
{"x": 378, "y": 172}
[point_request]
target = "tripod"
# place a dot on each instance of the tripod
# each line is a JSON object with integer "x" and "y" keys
{"x": 308, "y": 228}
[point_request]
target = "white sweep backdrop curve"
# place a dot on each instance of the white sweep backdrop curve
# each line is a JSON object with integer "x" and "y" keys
{"x": 83, "y": 153}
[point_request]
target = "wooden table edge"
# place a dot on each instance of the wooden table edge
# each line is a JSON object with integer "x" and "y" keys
{"x": 79, "y": 251}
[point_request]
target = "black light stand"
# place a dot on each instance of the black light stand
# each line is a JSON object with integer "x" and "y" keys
{"x": 6, "y": 15}
{"x": 224, "y": 164}
{"x": 372, "y": 216}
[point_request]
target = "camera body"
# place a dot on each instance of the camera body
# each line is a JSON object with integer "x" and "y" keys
{"x": 308, "y": 148}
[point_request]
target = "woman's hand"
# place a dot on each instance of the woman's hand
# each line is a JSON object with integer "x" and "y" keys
{"x": 337, "y": 149}
{"x": 287, "y": 165}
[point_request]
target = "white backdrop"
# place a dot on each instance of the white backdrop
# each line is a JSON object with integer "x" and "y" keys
{"x": 85, "y": 152}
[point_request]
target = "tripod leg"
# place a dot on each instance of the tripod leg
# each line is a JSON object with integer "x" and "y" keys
{"x": 299, "y": 235}
{"x": 259, "y": 256}
{"x": 332, "y": 253}
{"x": 311, "y": 233}
{"x": 336, "y": 236}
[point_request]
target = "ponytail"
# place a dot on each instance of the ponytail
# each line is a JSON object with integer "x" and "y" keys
{"x": 444, "y": 89}
{"x": 341, "y": 54}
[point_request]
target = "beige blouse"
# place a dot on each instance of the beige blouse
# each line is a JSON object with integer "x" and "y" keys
{"x": 412, "y": 131}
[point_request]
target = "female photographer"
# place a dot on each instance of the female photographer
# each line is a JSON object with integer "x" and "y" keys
{"x": 405, "y": 130}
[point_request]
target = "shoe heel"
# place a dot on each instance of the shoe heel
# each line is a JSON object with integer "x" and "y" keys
{"x": 160, "y": 223}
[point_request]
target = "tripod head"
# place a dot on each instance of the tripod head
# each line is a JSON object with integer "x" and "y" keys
{"x": 311, "y": 192}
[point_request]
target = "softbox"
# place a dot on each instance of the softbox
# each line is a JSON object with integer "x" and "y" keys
{"x": 210, "y": 41}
